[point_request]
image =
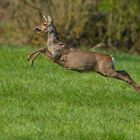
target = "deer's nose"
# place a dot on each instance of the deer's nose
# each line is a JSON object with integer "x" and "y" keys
{"x": 37, "y": 29}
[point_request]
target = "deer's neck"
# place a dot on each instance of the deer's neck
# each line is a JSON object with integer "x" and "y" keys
{"x": 52, "y": 35}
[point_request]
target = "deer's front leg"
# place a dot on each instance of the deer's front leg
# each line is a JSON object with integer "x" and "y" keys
{"x": 33, "y": 56}
{"x": 48, "y": 54}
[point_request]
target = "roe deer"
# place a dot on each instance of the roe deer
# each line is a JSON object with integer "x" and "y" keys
{"x": 76, "y": 59}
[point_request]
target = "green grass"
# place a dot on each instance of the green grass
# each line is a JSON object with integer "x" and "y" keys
{"x": 48, "y": 102}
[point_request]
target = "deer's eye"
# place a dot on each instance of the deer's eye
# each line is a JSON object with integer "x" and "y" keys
{"x": 44, "y": 24}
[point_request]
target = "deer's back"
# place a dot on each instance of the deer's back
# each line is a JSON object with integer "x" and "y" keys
{"x": 82, "y": 60}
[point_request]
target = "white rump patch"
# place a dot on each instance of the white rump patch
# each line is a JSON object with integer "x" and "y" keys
{"x": 112, "y": 59}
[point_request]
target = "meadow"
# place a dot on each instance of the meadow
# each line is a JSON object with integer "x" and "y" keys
{"x": 48, "y": 102}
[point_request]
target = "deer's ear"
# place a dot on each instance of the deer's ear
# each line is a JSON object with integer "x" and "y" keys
{"x": 49, "y": 19}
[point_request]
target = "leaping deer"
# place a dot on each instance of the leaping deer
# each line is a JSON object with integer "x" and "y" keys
{"x": 76, "y": 59}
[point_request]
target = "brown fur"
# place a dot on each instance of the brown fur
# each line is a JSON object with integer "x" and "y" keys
{"x": 76, "y": 59}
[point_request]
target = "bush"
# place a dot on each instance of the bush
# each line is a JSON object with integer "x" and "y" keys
{"x": 115, "y": 23}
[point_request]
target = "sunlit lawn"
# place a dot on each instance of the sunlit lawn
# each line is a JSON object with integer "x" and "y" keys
{"x": 48, "y": 102}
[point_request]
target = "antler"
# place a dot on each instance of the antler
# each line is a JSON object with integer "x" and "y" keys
{"x": 44, "y": 17}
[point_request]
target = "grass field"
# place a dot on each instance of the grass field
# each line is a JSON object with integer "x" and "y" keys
{"x": 48, "y": 102}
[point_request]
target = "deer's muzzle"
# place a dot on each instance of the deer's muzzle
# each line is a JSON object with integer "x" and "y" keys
{"x": 38, "y": 30}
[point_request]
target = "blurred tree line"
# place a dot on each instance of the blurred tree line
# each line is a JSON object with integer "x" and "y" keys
{"x": 79, "y": 22}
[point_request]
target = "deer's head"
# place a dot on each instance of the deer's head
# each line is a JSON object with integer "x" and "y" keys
{"x": 45, "y": 25}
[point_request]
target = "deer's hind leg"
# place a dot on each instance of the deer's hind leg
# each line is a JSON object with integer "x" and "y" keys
{"x": 132, "y": 82}
{"x": 121, "y": 75}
